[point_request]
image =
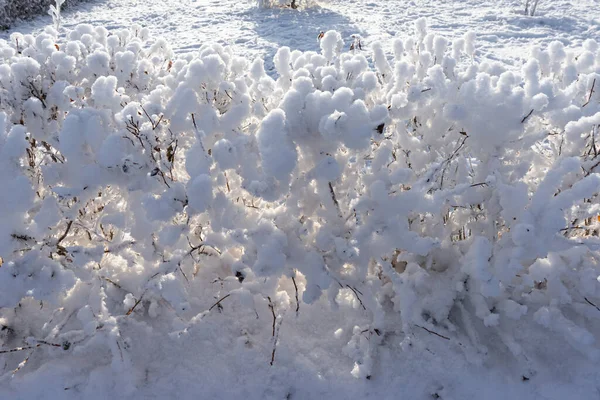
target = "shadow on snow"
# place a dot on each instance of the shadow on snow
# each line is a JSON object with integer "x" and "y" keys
{"x": 297, "y": 29}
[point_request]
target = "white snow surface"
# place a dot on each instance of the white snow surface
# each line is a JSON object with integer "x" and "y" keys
{"x": 225, "y": 353}
{"x": 504, "y": 33}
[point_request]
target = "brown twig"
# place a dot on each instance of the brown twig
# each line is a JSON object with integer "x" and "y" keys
{"x": 22, "y": 363}
{"x": 433, "y": 333}
{"x": 273, "y": 355}
{"x": 111, "y": 281}
{"x": 154, "y": 124}
{"x": 136, "y": 303}
{"x": 200, "y": 249}
{"x": 297, "y": 301}
{"x": 17, "y": 349}
{"x": 183, "y": 273}
{"x": 573, "y": 228}
{"x": 39, "y": 344}
{"x": 527, "y": 116}
{"x": 356, "y": 292}
{"x": 591, "y": 93}
{"x": 334, "y": 198}
{"x": 592, "y": 304}
{"x": 227, "y": 182}
{"x": 589, "y": 171}
{"x": 272, "y": 307}
{"x": 275, "y": 333}
{"x": 219, "y": 301}
{"x": 64, "y": 235}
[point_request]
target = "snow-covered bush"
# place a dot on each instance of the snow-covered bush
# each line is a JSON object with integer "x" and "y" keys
{"x": 531, "y": 7}
{"x": 10, "y": 10}
{"x": 427, "y": 190}
{"x": 285, "y": 3}
{"x": 54, "y": 12}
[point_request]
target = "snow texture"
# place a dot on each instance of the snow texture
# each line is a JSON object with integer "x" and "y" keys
{"x": 357, "y": 215}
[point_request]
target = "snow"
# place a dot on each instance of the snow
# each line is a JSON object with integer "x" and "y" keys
{"x": 210, "y": 199}
{"x": 503, "y": 32}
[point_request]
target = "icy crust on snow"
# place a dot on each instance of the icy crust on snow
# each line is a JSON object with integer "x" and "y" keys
{"x": 146, "y": 197}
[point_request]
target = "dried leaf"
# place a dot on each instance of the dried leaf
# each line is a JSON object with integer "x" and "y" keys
{"x": 170, "y": 154}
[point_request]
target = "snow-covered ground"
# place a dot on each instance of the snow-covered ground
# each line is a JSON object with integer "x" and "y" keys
{"x": 225, "y": 354}
{"x": 504, "y": 32}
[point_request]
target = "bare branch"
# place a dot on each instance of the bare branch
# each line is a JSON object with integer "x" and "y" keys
{"x": 297, "y": 301}
{"x": 527, "y": 116}
{"x": 136, "y": 303}
{"x": 592, "y": 304}
{"x": 219, "y": 301}
{"x": 433, "y": 333}
{"x": 64, "y": 235}
{"x": 591, "y": 93}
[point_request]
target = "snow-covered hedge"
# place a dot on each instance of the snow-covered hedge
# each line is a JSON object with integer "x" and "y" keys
{"x": 426, "y": 189}
{"x": 10, "y": 10}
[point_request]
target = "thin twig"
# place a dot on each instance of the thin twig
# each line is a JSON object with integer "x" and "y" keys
{"x": 275, "y": 333}
{"x": 17, "y": 349}
{"x": 22, "y": 363}
{"x": 272, "y": 307}
{"x": 111, "y": 281}
{"x": 433, "y": 333}
{"x": 64, "y": 235}
{"x": 297, "y": 301}
{"x": 334, "y": 198}
{"x": 592, "y": 304}
{"x": 273, "y": 354}
{"x": 356, "y": 292}
{"x": 574, "y": 227}
{"x": 39, "y": 344}
{"x": 154, "y": 124}
{"x": 200, "y": 249}
{"x": 136, "y": 303}
{"x": 589, "y": 171}
{"x": 219, "y": 302}
{"x": 591, "y": 93}
{"x": 183, "y": 273}
{"x": 527, "y": 116}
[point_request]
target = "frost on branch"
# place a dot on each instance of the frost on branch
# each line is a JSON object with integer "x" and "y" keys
{"x": 141, "y": 186}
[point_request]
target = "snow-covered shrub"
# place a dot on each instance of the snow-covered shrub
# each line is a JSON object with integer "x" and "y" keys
{"x": 531, "y": 7}
{"x": 427, "y": 189}
{"x": 285, "y": 3}
{"x": 10, "y": 10}
{"x": 54, "y": 12}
